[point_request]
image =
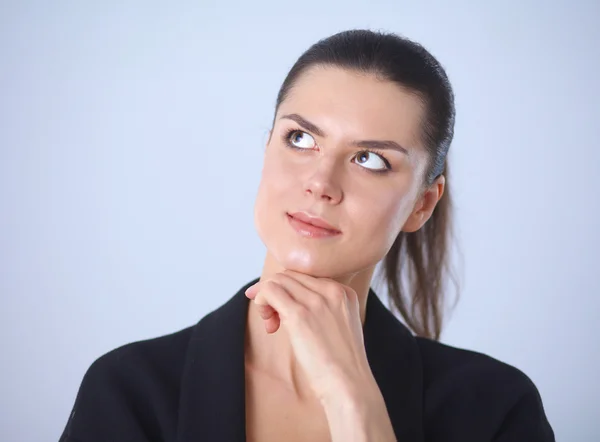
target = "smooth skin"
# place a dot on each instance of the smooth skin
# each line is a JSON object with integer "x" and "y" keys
{"x": 304, "y": 331}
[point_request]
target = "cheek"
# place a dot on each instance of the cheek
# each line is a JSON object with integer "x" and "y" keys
{"x": 276, "y": 180}
{"x": 261, "y": 206}
{"x": 379, "y": 218}
{"x": 273, "y": 193}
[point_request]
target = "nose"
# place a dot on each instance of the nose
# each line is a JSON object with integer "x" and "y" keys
{"x": 323, "y": 185}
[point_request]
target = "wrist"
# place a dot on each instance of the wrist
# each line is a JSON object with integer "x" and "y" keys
{"x": 352, "y": 398}
{"x": 358, "y": 416}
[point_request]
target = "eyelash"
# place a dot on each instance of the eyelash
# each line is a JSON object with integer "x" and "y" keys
{"x": 288, "y": 134}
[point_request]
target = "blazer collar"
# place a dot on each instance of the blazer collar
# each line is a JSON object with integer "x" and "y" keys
{"x": 212, "y": 401}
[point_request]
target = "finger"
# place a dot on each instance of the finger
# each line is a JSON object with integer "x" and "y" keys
{"x": 272, "y": 324}
{"x": 302, "y": 294}
{"x": 274, "y": 294}
{"x": 332, "y": 290}
{"x": 266, "y": 311}
{"x": 252, "y": 290}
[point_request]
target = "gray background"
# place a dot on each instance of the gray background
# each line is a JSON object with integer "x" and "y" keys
{"x": 131, "y": 137}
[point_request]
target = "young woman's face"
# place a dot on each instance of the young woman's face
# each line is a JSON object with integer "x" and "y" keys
{"x": 346, "y": 148}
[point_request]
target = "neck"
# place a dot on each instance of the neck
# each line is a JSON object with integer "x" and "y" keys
{"x": 271, "y": 354}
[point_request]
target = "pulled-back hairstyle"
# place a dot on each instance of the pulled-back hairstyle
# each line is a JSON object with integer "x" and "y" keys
{"x": 416, "y": 269}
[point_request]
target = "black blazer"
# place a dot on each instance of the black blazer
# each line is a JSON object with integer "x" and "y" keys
{"x": 189, "y": 386}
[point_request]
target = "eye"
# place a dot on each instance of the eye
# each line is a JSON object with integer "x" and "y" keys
{"x": 371, "y": 160}
{"x": 301, "y": 140}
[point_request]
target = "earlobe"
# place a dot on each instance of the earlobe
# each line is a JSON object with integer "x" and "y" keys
{"x": 414, "y": 222}
{"x": 415, "y": 219}
{"x": 425, "y": 206}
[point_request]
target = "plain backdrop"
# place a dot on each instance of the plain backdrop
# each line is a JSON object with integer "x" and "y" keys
{"x": 131, "y": 139}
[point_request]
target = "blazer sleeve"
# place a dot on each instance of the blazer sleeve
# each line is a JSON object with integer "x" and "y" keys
{"x": 107, "y": 406}
{"x": 526, "y": 420}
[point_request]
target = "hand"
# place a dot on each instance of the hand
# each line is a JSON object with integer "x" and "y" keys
{"x": 322, "y": 319}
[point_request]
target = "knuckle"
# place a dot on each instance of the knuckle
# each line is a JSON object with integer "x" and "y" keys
{"x": 271, "y": 285}
{"x": 299, "y": 315}
{"x": 278, "y": 277}
{"x": 350, "y": 293}
{"x": 337, "y": 293}
{"x": 316, "y": 303}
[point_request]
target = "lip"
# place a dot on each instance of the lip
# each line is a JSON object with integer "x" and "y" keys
{"x": 311, "y": 226}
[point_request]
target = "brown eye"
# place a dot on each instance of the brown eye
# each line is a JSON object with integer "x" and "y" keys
{"x": 371, "y": 160}
{"x": 301, "y": 140}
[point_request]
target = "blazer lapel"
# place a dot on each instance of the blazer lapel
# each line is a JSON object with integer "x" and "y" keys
{"x": 213, "y": 393}
{"x": 212, "y": 403}
{"x": 395, "y": 361}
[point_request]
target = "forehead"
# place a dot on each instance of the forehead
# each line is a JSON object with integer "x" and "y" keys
{"x": 355, "y": 105}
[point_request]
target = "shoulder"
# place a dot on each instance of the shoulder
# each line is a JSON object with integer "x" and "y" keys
{"x": 154, "y": 362}
{"x": 443, "y": 363}
{"x": 164, "y": 354}
{"x": 494, "y": 399}
{"x": 122, "y": 390}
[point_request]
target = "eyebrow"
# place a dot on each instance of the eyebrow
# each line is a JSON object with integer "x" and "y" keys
{"x": 372, "y": 144}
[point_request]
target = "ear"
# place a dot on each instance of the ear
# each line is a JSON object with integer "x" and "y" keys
{"x": 425, "y": 205}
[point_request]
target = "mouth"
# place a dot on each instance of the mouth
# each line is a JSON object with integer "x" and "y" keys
{"x": 311, "y": 226}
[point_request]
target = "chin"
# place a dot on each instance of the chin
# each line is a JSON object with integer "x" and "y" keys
{"x": 288, "y": 251}
{"x": 312, "y": 270}
{"x": 298, "y": 260}
{"x": 312, "y": 263}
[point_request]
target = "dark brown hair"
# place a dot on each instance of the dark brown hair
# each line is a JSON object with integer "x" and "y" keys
{"x": 417, "y": 266}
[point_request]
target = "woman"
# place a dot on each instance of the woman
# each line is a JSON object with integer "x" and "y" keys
{"x": 354, "y": 172}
